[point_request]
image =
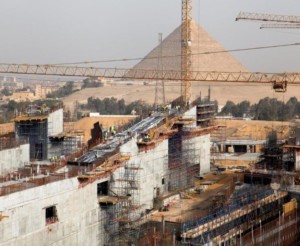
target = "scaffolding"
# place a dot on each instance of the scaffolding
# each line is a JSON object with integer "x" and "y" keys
{"x": 271, "y": 157}
{"x": 205, "y": 113}
{"x": 277, "y": 163}
{"x": 36, "y": 130}
{"x": 123, "y": 213}
{"x": 65, "y": 144}
{"x": 182, "y": 164}
{"x": 246, "y": 209}
{"x": 283, "y": 230}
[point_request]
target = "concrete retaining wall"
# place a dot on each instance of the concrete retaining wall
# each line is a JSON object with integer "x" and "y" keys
{"x": 12, "y": 159}
{"x": 202, "y": 149}
{"x": 55, "y": 122}
{"x": 77, "y": 210}
{"x": 80, "y": 220}
{"x": 151, "y": 172}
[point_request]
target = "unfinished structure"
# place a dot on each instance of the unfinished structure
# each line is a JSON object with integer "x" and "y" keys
{"x": 14, "y": 153}
{"x": 37, "y": 124}
{"x": 120, "y": 180}
{"x": 132, "y": 185}
{"x": 118, "y": 191}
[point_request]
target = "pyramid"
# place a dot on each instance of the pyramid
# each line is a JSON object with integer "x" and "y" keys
{"x": 201, "y": 42}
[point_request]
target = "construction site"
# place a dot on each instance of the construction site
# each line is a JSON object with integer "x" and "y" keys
{"x": 176, "y": 177}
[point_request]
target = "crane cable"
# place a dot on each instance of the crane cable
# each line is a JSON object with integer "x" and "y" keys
{"x": 173, "y": 56}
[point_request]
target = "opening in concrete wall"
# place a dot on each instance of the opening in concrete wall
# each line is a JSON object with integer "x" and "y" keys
{"x": 240, "y": 148}
{"x": 51, "y": 215}
{"x": 102, "y": 189}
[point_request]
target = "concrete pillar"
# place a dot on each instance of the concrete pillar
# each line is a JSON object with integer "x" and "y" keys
{"x": 221, "y": 148}
{"x": 249, "y": 149}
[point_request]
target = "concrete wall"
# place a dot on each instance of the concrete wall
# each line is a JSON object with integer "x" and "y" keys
{"x": 297, "y": 160}
{"x": 77, "y": 209}
{"x": 200, "y": 144}
{"x": 153, "y": 169}
{"x": 154, "y": 165}
{"x": 81, "y": 220}
{"x": 12, "y": 159}
{"x": 202, "y": 151}
{"x": 191, "y": 114}
{"x": 56, "y": 122}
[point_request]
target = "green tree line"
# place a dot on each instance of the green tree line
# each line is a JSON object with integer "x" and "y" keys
{"x": 91, "y": 83}
{"x": 114, "y": 106}
{"x": 66, "y": 90}
{"x": 266, "y": 109}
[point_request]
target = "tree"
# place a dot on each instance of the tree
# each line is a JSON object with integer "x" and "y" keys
{"x": 6, "y": 91}
{"x": 290, "y": 109}
{"x": 229, "y": 109}
{"x": 114, "y": 106}
{"x": 266, "y": 109}
{"x": 91, "y": 83}
{"x": 242, "y": 109}
{"x": 66, "y": 90}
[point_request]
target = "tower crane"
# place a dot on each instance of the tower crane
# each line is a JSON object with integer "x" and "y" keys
{"x": 280, "y": 21}
{"x": 279, "y": 81}
{"x": 186, "y": 51}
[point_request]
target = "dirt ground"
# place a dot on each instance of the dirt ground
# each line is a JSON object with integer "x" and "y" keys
{"x": 7, "y": 127}
{"x": 197, "y": 204}
{"x": 222, "y": 92}
{"x": 253, "y": 129}
{"x": 87, "y": 123}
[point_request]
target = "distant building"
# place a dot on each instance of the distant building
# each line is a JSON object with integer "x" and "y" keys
{"x": 42, "y": 91}
{"x": 21, "y": 96}
{"x": 9, "y": 79}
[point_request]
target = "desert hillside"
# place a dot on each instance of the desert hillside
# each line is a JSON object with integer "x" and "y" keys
{"x": 219, "y": 91}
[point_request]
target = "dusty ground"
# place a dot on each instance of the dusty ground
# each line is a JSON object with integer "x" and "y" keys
{"x": 252, "y": 129}
{"x": 7, "y": 127}
{"x": 87, "y": 123}
{"x": 197, "y": 204}
{"x": 222, "y": 92}
{"x": 246, "y": 130}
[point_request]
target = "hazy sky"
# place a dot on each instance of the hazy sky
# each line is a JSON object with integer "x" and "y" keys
{"x": 60, "y": 31}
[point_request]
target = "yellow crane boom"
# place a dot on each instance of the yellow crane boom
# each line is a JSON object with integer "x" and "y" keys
{"x": 139, "y": 74}
{"x": 268, "y": 17}
{"x": 281, "y": 26}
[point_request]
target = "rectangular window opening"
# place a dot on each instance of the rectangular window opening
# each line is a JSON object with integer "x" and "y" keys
{"x": 51, "y": 215}
{"x": 102, "y": 189}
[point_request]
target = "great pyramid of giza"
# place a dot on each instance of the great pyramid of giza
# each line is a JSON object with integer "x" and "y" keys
{"x": 201, "y": 42}
{"x": 171, "y": 45}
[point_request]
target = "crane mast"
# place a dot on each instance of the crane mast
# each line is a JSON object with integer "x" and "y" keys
{"x": 186, "y": 51}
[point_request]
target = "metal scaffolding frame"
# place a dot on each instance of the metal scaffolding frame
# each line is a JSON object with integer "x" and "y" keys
{"x": 36, "y": 130}
{"x": 182, "y": 164}
{"x": 121, "y": 222}
{"x": 247, "y": 208}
